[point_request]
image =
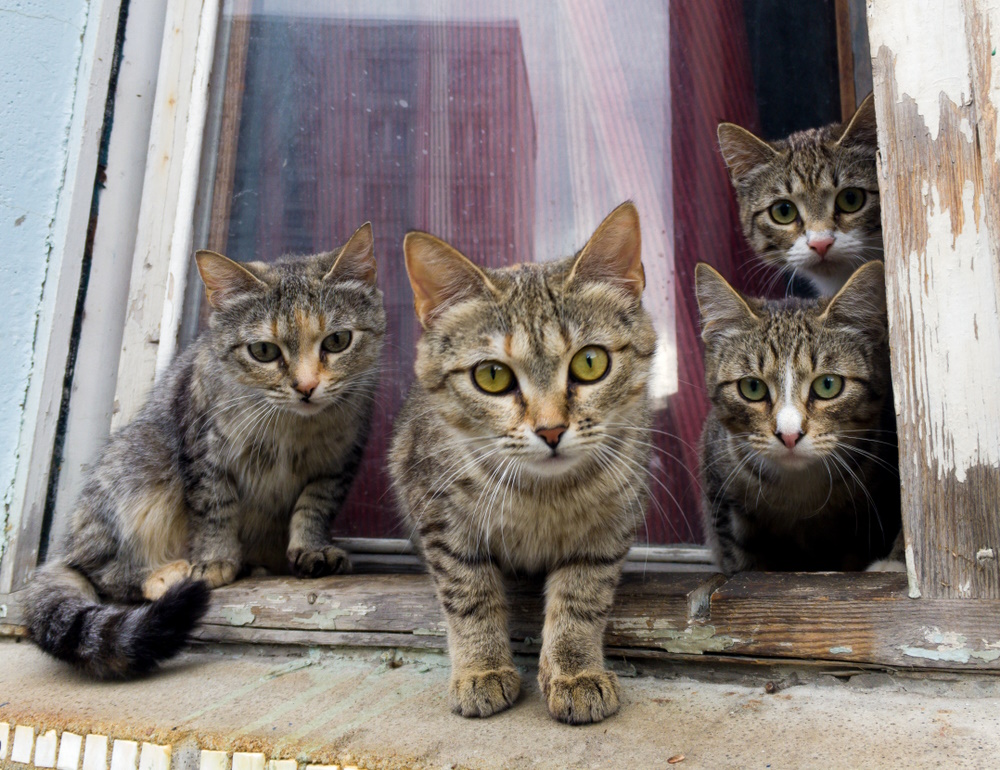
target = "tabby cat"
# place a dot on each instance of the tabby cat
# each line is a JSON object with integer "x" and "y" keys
{"x": 522, "y": 448}
{"x": 809, "y": 204}
{"x": 243, "y": 453}
{"x": 799, "y": 465}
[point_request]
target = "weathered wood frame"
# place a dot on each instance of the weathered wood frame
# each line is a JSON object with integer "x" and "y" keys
{"x": 935, "y": 98}
{"x": 936, "y": 101}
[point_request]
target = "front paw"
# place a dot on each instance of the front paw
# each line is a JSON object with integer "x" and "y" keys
{"x": 329, "y": 560}
{"x": 587, "y": 697}
{"x": 484, "y": 692}
{"x": 215, "y": 573}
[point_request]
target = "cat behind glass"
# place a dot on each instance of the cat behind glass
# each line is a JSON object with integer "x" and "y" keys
{"x": 523, "y": 448}
{"x": 798, "y": 456}
{"x": 809, "y": 204}
{"x": 239, "y": 459}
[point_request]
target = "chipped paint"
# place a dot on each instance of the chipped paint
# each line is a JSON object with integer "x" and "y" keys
{"x": 951, "y": 647}
{"x": 693, "y": 640}
{"x": 917, "y": 71}
{"x": 329, "y": 619}
{"x": 238, "y": 616}
{"x": 439, "y": 632}
{"x": 841, "y": 650}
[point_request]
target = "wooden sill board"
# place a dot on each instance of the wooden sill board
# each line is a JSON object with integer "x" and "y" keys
{"x": 849, "y": 618}
{"x": 863, "y": 618}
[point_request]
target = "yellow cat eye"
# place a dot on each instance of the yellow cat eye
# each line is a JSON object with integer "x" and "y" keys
{"x": 589, "y": 364}
{"x": 336, "y": 342}
{"x": 753, "y": 389}
{"x": 828, "y": 385}
{"x": 265, "y": 352}
{"x": 783, "y": 212}
{"x": 493, "y": 377}
{"x": 850, "y": 199}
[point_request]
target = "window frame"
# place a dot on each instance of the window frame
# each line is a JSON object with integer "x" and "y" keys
{"x": 868, "y": 612}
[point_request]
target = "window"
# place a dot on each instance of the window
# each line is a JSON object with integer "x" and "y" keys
{"x": 510, "y": 130}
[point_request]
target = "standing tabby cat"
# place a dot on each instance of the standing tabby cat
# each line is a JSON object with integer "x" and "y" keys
{"x": 809, "y": 204}
{"x": 240, "y": 457}
{"x": 523, "y": 447}
{"x": 798, "y": 456}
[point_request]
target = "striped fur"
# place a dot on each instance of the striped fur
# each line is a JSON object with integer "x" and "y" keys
{"x": 809, "y": 168}
{"x": 831, "y": 500}
{"x": 232, "y": 463}
{"x": 487, "y": 496}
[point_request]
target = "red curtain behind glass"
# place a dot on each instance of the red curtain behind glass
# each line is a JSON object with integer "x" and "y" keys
{"x": 413, "y": 125}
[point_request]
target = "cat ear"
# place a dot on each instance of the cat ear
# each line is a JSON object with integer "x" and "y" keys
{"x": 440, "y": 275}
{"x": 723, "y": 309}
{"x": 356, "y": 260}
{"x": 614, "y": 252}
{"x": 741, "y": 150}
{"x": 861, "y": 302}
{"x": 861, "y": 128}
{"x": 225, "y": 279}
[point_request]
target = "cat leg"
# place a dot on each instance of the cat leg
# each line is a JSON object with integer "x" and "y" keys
{"x": 216, "y": 555}
{"x": 474, "y": 598}
{"x": 577, "y": 687}
{"x": 161, "y": 579}
{"x": 310, "y": 553}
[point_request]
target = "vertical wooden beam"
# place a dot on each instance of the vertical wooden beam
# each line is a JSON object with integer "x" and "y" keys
{"x": 936, "y": 102}
{"x": 845, "y": 58}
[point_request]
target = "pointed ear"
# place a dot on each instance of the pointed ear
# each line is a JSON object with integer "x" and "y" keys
{"x": 861, "y": 128}
{"x": 440, "y": 275}
{"x": 741, "y": 150}
{"x": 723, "y": 309}
{"x": 861, "y": 302}
{"x": 356, "y": 260}
{"x": 225, "y": 279}
{"x": 614, "y": 252}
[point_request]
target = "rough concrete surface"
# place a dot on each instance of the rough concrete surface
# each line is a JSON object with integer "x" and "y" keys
{"x": 389, "y": 710}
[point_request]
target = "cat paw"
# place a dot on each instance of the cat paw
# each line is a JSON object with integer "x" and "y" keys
{"x": 485, "y": 692}
{"x": 587, "y": 697}
{"x": 159, "y": 581}
{"x": 886, "y": 565}
{"x": 329, "y": 560}
{"x": 215, "y": 573}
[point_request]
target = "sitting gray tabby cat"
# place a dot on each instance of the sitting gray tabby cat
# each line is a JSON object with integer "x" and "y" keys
{"x": 799, "y": 464}
{"x": 809, "y": 204}
{"x": 243, "y": 453}
{"x": 523, "y": 447}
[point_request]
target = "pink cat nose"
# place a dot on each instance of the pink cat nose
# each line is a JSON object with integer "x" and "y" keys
{"x": 305, "y": 388}
{"x": 551, "y": 436}
{"x": 820, "y": 245}
{"x": 790, "y": 439}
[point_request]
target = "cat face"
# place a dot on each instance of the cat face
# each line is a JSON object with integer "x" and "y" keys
{"x": 809, "y": 204}
{"x": 538, "y": 367}
{"x": 301, "y": 333}
{"x": 797, "y": 384}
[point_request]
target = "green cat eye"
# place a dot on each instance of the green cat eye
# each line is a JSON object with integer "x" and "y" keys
{"x": 753, "y": 389}
{"x": 493, "y": 377}
{"x": 336, "y": 342}
{"x": 850, "y": 199}
{"x": 783, "y": 212}
{"x": 265, "y": 352}
{"x": 828, "y": 385}
{"x": 589, "y": 364}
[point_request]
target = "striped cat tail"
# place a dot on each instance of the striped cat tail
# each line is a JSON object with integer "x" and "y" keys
{"x": 109, "y": 641}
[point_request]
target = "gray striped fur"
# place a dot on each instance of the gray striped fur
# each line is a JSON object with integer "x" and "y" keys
{"x": 486, "y": 497}
{"x": 226, "y": 467}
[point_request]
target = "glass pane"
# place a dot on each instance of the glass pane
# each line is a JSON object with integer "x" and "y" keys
{"x": 510, "y": 129}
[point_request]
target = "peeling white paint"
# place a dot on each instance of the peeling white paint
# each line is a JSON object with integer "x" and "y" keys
{"x": 841, "y": 650}
{"x": 238, "y": 616}
{"x": 926, "y": 76}
{"x": 328, "y": 619}
{"x": 951, "y": 647}
{"x": 962, "y": 426}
